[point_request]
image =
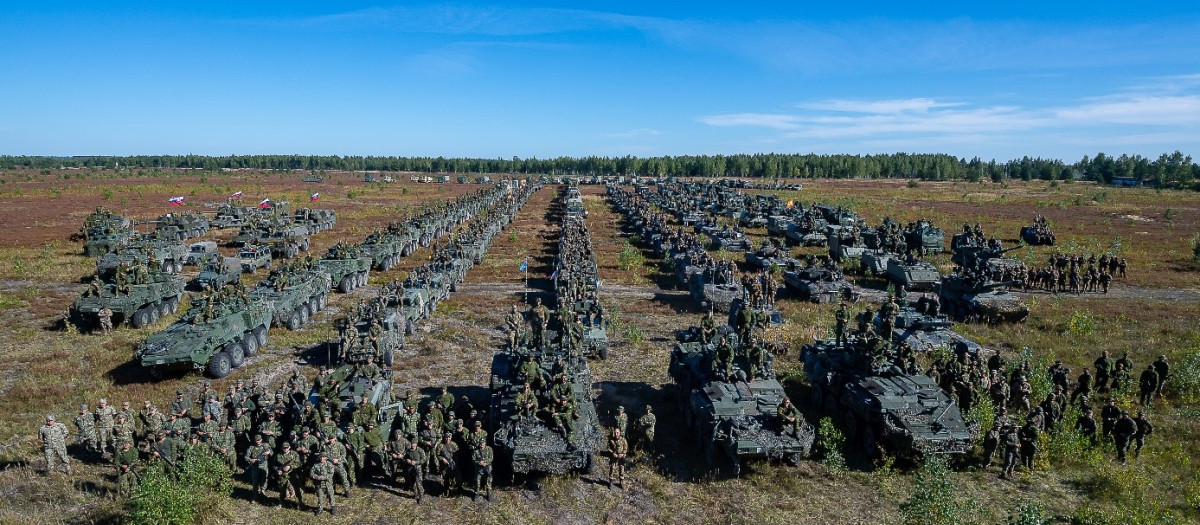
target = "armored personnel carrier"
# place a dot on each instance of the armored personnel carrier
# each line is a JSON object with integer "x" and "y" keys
{"x": 346, "y": 266}
{"x": 104, "y": 231}
{"x": 1037, "y": 235}
{"x": 533, "y": 443}
{"x": 169, "y": 253}
{"x": 879, "y": 405}
{"x": 717, "y": 296}
{"x": 139, "y": 304}
{"x": 926, "y": 331}
{"x": 217, "y": 273}
{"x": 819, "y": 284}
{"x": 287, "y": 242}
{"x": 735, "y": 414}
{"x": 845, "y": 242}
{"x": 383, "y": 346}
{"x": 216, "y": 335}
{"x": 294, "y": 294}
{"x": 769, "y": 255}
{"x": 180, "y": 226}
{"x": 926, "y": 237}
{"x": 914, "y": 273}
{"x": 316, "y": 220}
{"x": 977, "y": 298}
{"x": 384, "y": 249}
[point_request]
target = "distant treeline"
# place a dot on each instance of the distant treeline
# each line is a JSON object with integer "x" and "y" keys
{"x": 1168, "y": 170}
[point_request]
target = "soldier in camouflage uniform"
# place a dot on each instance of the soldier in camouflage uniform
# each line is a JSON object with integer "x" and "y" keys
{"x": 85, "y": 429}
{"x": 287, "y": 471}
{"x": 105, "y": 316}
{"x": 126, "y": 459}
{"x": 54, "y": 445}
{"x": 122, "y": 429}
{"x": 415, "y": 460}
{"x": 335, "y": 452}
{"x": 646, "y": 424}
{"x": 257, "y": 457}
{"x": 322, "y": 476}
{"x": 618, "y": 448}
{"x": 446, "y": 461}
{"x": 622, "y": 419}
{"x": 482, "y": 458}
{"x": 104, "y": 426}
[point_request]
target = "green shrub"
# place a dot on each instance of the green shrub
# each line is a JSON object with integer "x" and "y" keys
{"x": 1081, "y": 324}
{"x": 912, "y": 183}
{"x": 630, "y": 258}
{"x": 181, "y": 497}
{"x": 1184, "y": 380}
{"x": 935, "y": 501}
{"x": 830, "y": 445}
{"x": 1028, "y": 515}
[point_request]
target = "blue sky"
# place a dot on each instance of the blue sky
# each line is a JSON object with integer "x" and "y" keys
{"x": 500, "y": 80}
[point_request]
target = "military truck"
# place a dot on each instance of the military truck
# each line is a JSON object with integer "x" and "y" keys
{"x": 294, "y": 295}
{"x": 734, "y": 414}
{"x": 217, "y": 338}
{"x": 976, "y": 298}
{"x": 141, "y": 304}
{"x": 916, "y": 274}
{"x": 169, "y": 253}
{"x": 218, "y": 272}
{"x": 819, "y": 284}
{"x": 879, "y": 405}
{"x": 346, "y": 266}
{"x": 531, "y": 444}
{"x": 252, "y": 257}
{"x": 316, "y": 220}
{"x": 199, "y": 252}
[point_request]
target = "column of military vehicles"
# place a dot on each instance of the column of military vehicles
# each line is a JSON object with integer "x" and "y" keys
{"x": 542, "y": 418}
{"x": 226, "y": 325}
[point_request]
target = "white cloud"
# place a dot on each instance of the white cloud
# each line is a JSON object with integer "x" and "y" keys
{"x": 1136, "y": 110}
{"x": 765, "y": 120}
{"x": 639, "y": 132}
{"x": 900, "y": 105}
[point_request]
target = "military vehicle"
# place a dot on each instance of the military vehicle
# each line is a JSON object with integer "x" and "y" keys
{"x": 199, "y": 252}
{"x": 384, "y": 249}
{"x": 316, "y": 220}
{"x": 413, "y": 303}
{"x": 141, "y": 304}
{"x": 926, "y": 331}
{"x": 914, "y": 273}
{"x": 977, "y": 298}
{"x": 231, "y": 216}
{"x": 819, "y": 284}
{"x": 388, "y": 343}
{"x": 180, "y": 226}
{"x": 104, "y": 231}
{"x": 879, "y": 405}
{"x": 352, "y": 386}
{"x": 252, "y": 257}
{"x": 805, "y": 236}
{"x": 845, "y": 242}
{"x": 737, "y": 413}
{"x": 770, "y": 255}
{"x": 924, "y": 236}
{"x": 346, "y": 266}
{"x": 294, "y": 295}
{"x": 313, "y": 177}
{"x": 216, "y": 338}
{"x": 169, "y": 253}
{"x": 1038, "y": 235}
{"x": 287, "y": 242}
{"x": 218, "y": 272}
{"x": 709, "y": 295}
{"x": 777, "y": 225}
{"x": 769, "y": 313}
{"x": 531, "y": 443}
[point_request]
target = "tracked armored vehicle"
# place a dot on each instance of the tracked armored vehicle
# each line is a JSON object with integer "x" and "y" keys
{"x": 181, "y": 226}
{"x": 976, "y": 298}
{"x": 927, "y": 332}
{"x": 735, "y": 415}
{"x": 819, "y": 284}
{"x": 1039, "y": 235}
{"x": 769, "y": 256}
{"x": 230, "y": 216}
{"x": 916, "y": 274}
{"x": 216, "y": 338}
{"x": 141, "y": 305}
{"x": 881, "y": 405}
{"x": 532, "y": 443}
{"x": 346, "y": 266}
{"x": 169, "y": 253}
{"x": 294, "y": 295}
{"x": 925, "y": 237}
{"x": 716, "y": 296}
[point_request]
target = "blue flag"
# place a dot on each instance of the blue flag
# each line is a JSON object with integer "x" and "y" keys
{"x": 524, "y": 265}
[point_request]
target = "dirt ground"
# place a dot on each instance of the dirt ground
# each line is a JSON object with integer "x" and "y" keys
{"x": 42, "y": 370}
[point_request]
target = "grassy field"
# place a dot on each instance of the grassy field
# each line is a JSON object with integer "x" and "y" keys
{"x": 1154, "y": 311}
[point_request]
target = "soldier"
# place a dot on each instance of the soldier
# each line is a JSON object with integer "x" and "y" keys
{"x": 622, "y": 419}
{"x": 527, "y": 403}
{"x": 446, "y": 399}
{"x": 322, "y": 477}
{"x": 414, "y": 465}
{"x": 224, "y": 445}
{"x": 105, "y": 315}
{"x": 1012, "y": 448}
{"x": 789, "y": 416}
{"x": 104, "y": 426}
{"x": 85, "y": 429}
{"x": 1083, "y": 386}
{"x": 541, "y": 316}
{"x": 256, "y": 459}
{"x": 481, "y": 458}
{"x": 1162, "y": 368}
{"x": 122, "y": 429}
{"x": 373, "y": 458}
{"x": 513, "y": 324}
{"x": 1147, "y": 385}
{"x": 1123, "y": 431}
{"x": 840, "y": 327}
{"x": 646, "y": 424}
{"x": 1028, "y": 436}
{"x": 54, "y": 444}
{"x": 181, "y": 405}
{"x": 618, "y": 448}
{"x": 125, "y": 459}
{"x": 1086, "y": 426}
{"x": 479, "y": 435}
{"x": 1144, "y": 429}
{"x": 708, "y": 328}
{"x": 446, "y": 461}
{"x": 287, "y": 468}
{"x": 991, "y": 440}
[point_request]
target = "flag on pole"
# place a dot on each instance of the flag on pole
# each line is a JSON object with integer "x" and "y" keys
{"x": 176, "y": 201}
{"x": 314, "y": 197}
{"x": 266, "y": 203}
{"x": 554, "y": 276}
{"x": 524, "y": 265}
{"x": 236, "y": 195}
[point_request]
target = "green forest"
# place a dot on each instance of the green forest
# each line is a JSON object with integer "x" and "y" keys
{"x": 1168, "y": 170}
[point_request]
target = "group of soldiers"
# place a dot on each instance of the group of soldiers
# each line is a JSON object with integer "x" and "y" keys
{"x": 618, "y": 442}
{"x": 759, "y": 288}
{"x": 213, "y": 304}
{"x": 1076, "y": 274}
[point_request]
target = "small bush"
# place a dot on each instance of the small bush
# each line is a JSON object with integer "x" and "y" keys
{"x": 1081, "y": 324}
{"x": 1028, "y": 515}
{"x": 630, "y": 258}
{"x": 830, "y": 445}
{"x": 1196, "y": 251}
{"x": 912, "y": 183}
{"x": 181, "y": 497}
{"x": 1184, "y": 380}
{"x": 107, "y": 194}
{"x": 935, "y": 501}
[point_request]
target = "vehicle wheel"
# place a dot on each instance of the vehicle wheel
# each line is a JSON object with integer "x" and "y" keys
{"x": 175, "y": 304}
{"x": 249, "y": 344}
{"x": 164, "y": 308}
{"x": 409, "y": 327}
{"x": 310, "y": 306}
{"x": 219, "y": 365}
{"x": 321, "y": 302}
{"x": 303, "y": 314}
{"x": 603, "y": 353}
{"x": 178, "y": 267}
{"x": 362, "y": 280}
{"x": 344, "y": 285}
{"x": 388, "y": 356}
{"x": 139, "y": 318}
{"x": 869, "y": 443}
{"x": 293, "y": 321}
{"x": 260, "y": 333}
{"x": 237, "y": 356}
{"x": 152, "y": 314}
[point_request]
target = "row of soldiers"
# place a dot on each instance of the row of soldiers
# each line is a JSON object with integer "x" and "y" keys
{"x": 759, "y": 288}
{"x": 213, "y": 304}
{"x": 1050, "y": 279}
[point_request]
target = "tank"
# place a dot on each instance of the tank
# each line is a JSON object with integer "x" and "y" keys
{"x": 216, "y": 339}
{"x": 346, "y": 266}
{"x": 531, "y": 444}
{"x": 731, "y": 240}
{"x": 979, "y": 299}
{"x": 735, "y": 416}
{"x": 924, "y": 331}
{"x": 716, "y": 296}
{"x": 881, "y": 406}
{"x": 768, "y": 255}
{"x": 819, "y": 284}
{"x": 294, "y": 295}
{"x": 230, "y": 216}
{"x": 807, "y": 236}
{"x": 143, "y": 305}
{"x": 916, "y": 274}
{"x": 169, "y": 253}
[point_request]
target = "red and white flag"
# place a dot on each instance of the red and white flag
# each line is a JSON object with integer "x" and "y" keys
{"x": 176, "y": 201}
{"x": 314, "y": 197}
{"x": 266, "y": 203}
{"x": 236, "y": 195}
